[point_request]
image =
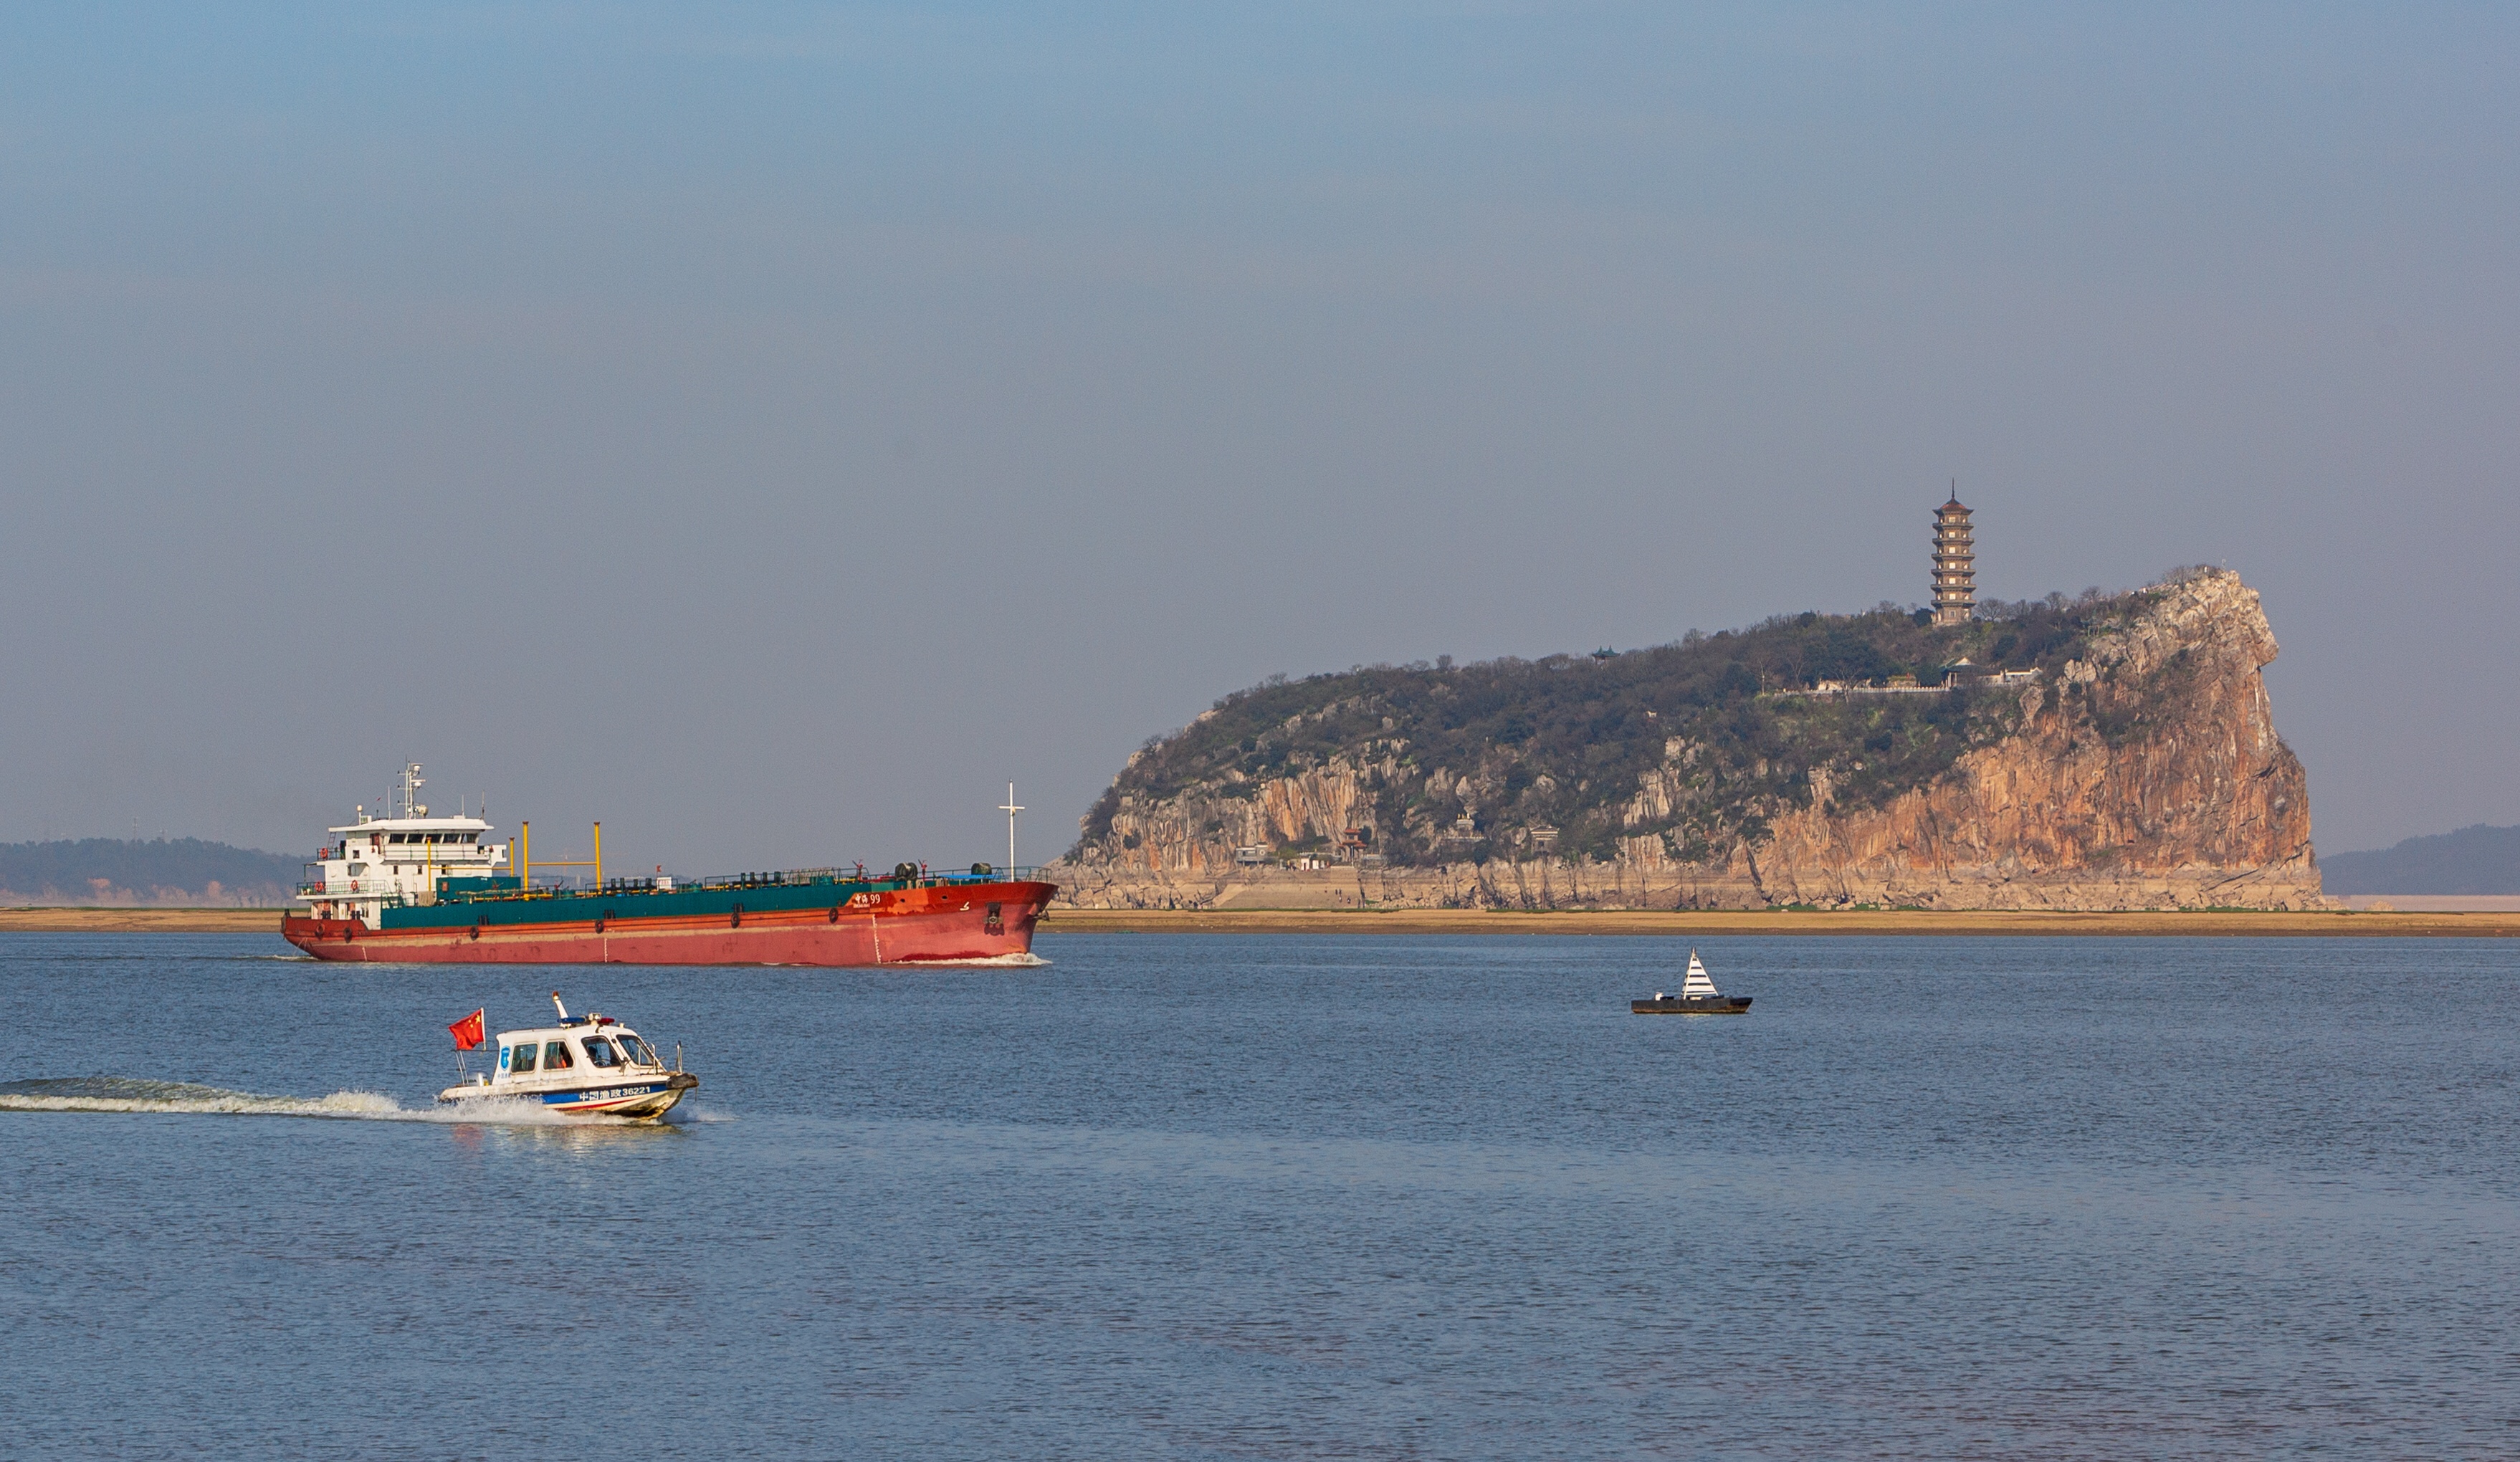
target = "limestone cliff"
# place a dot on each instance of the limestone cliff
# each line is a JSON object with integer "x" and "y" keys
{"x": 2118, "y": 751}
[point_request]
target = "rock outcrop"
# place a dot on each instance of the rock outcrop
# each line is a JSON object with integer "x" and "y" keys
{"x": 2141, "y": 771}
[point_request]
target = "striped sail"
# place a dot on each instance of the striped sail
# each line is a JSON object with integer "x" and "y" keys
{"x": 1698, "y": 986}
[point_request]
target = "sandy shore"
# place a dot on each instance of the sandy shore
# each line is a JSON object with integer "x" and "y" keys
{"x": 2496, "y": 923}
{"x": 1479, "y": 921}
{"x": 143, "y": 921}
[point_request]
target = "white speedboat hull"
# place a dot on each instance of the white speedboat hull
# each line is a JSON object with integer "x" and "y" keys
{"x": 639, "y": 1099}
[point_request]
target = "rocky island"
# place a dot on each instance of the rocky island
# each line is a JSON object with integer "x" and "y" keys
{"x": 2115, "y": 751}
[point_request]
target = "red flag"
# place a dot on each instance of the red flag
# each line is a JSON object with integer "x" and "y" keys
{"x": 467, "y": 1032}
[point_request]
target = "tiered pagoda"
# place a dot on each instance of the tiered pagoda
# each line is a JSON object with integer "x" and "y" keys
{"x": 1955, "y": 564}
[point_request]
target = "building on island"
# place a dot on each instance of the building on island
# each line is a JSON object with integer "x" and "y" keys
{"x": 1954, "y": 563}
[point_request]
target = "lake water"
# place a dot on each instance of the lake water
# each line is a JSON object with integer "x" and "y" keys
{"x": 1220, "y": 1197}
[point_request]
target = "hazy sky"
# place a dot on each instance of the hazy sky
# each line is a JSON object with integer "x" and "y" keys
{"x": 773, "y": 429}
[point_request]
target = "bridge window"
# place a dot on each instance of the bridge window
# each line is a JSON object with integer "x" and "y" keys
{"x": 597, "y": 1050}
{"x": 556, "y": 1056}
{"x": 524, "y": 1059}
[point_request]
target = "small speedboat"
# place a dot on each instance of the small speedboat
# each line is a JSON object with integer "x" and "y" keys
{"x": 1697, "y": 996}
{"x": 588, "y": 1065}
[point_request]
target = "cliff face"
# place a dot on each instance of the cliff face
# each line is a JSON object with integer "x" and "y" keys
{"x": 2135, "y": 766}
{"x": 2150, "y": 775}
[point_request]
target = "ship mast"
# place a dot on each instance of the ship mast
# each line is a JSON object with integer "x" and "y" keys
{"x": 1010, "y": 808}
{"x": 412, "y": 782}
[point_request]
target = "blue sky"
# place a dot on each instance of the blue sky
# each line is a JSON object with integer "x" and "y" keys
{"x": 771, "y": 430}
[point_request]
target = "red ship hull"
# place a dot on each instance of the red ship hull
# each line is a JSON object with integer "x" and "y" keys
{"x": 912, "y": 926}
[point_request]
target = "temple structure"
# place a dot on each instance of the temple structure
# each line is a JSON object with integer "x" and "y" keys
{"x": 1955, "y": 564}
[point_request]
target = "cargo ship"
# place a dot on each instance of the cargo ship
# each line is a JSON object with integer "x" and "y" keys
{"x": 404, "y": 887}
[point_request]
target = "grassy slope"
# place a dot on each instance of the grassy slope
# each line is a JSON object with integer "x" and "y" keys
{"x": 1564, "y": 741}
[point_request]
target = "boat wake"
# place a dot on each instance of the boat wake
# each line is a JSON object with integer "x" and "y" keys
{"x": 113, "y": 1093}
{"x": 1022, "y": 960}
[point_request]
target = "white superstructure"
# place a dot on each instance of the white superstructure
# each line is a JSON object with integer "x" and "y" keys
{"x": 401, "y": 859}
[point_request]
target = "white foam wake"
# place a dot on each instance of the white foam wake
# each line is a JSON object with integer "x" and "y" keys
{"x": 113, "y": 1093}
{"x": 1022, "y": 960}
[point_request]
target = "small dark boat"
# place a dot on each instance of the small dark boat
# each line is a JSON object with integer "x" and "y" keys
{"x": 1697, "y": 996}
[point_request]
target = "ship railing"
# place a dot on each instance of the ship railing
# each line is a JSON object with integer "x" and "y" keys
{"x": 780, "y": 878}
{"x": 774, "y": 879}
{"x": 862, "y": 874}
{"x": 663, "y": 884}
{"x": 341, "y": 888}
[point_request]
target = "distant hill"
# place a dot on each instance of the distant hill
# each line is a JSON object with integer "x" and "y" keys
{"x": 2477, "y": 859}
{"x": 119, "y": 870}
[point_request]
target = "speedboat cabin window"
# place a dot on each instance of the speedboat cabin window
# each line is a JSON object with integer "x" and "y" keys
{"x": 597, "y": 1050}
{"x": 524, "y": 1058}
{"x": 556, "y": 1056}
